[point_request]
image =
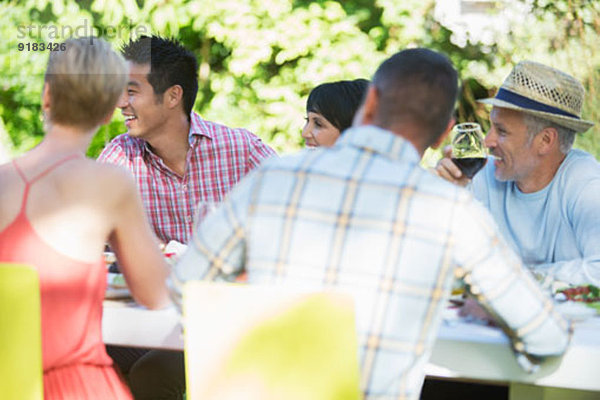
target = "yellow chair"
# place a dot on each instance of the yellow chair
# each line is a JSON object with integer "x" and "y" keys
{"x": 256, "y": 342}
{"x": 20, "y": 333}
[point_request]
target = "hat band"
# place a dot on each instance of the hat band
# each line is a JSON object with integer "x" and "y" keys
{"x": 530, "y": 104}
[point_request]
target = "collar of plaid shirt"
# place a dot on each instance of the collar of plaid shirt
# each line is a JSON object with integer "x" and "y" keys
{"x": 378, "y": 140}
{"x": 198, "y": 127}
{"x": 172, "y": 201}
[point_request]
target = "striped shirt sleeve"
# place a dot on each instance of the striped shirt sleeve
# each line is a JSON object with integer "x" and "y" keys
{"x": 114, "y": 154}
{"x": 496, "y": 277}
{"x": 258, "y": 152}
{"x": 218, "y": 245}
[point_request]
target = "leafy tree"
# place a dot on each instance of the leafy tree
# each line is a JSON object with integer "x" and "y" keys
{"x": 259, "y": 59}
{"x": 571, "y": 42}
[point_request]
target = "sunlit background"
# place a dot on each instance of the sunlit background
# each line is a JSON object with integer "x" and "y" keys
{"x": 260, "y": 58}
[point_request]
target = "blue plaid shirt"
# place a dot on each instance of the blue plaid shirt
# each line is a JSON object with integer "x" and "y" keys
{"x": 365, "y": 218}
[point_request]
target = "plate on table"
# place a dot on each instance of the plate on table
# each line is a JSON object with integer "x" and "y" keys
{"x": 575, "y": 311}
{"x": 116, "y": 281}
{"x": 578, "y": 302}
{"x": 116, "y": 287}
{"x": 112, "y": 293}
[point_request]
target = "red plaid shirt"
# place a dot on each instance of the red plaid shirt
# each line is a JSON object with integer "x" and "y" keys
{"x": 218, "y": 158}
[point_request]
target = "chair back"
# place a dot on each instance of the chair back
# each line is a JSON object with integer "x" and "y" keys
{"x": 20, "y": 333}
{"x": 257, "y": 342}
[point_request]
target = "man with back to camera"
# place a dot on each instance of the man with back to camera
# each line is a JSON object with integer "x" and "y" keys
{"x": 543, "y": 195}
{"x": 363, "y": 217}
{"x": 182, "y": 164}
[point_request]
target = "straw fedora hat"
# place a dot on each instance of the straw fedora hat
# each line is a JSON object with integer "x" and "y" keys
{"x": 548, "y": 93}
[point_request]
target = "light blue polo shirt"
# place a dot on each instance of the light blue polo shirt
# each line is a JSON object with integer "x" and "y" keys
{"x": 555, "y": 230}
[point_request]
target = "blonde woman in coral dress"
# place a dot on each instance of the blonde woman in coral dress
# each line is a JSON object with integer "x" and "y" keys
{"x": 57, "y": 211}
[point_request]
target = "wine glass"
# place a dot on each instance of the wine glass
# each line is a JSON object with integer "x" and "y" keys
{"x": 468, "y": 150}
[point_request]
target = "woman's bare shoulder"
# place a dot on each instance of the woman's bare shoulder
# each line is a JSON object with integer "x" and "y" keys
{"x": 113, "y": 183}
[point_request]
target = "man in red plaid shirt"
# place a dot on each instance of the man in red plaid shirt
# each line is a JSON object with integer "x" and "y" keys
{"x": 182, "y": 163}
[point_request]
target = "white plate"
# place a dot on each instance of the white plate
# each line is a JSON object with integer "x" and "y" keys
{"x": 112, "y": 293}
{"x": 575, "y": 311}
{"x": 115, "y": 281}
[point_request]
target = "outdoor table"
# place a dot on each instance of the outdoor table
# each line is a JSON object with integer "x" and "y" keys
{"x": 124, "y": 323}
{"x": 463, "y": 352}
{"x": 471, "y": 352}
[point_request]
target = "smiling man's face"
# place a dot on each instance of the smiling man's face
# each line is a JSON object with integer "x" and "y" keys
{"x": 508, "y": 141}
{"x": 144, "y": 112}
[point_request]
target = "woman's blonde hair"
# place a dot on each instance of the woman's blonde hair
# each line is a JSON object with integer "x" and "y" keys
{"x": 85, "y": 81}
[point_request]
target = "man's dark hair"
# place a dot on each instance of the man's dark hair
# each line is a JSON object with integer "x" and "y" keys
{"x": 170, "y": 64}
{"x": 417, "y": 86}
{"x": 337, "y": 101}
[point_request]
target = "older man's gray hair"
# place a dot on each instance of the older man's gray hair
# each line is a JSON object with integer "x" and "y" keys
{"x": 536, "y": 124}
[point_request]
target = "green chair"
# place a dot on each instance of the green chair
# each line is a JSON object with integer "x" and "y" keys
{"x": 256, "y": 342}
{"x": 20, "y": 333}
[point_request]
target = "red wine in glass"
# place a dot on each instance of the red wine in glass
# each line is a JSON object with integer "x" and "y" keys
{"x": 468, "y": 148}
{"x": 470, "y": 165}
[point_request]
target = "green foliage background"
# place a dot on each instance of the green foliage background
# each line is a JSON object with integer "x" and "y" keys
{"x": 260, "y": 58}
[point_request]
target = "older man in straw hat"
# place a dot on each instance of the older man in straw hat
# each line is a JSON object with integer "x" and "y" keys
{"x": 544, "y": 196}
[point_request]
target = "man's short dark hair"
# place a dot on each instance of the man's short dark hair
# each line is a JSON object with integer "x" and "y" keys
{"x": 170, "y": 64}
{"x": 418, "y": 86}
{"x": 337, "y": 101}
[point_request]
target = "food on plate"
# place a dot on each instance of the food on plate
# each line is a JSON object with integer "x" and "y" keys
{"x": 116, "y": 281}
{"x": 585, "y": 293}
{"x": 109, "y": 257}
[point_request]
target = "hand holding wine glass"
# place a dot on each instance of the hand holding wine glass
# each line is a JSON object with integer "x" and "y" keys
{"x": 468, "y": 150}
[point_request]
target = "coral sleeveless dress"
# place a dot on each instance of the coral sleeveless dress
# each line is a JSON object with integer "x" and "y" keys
{"x": 75, "y": 362}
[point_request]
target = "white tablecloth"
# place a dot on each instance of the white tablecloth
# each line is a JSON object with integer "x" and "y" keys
{"x": 463, "y": 350}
